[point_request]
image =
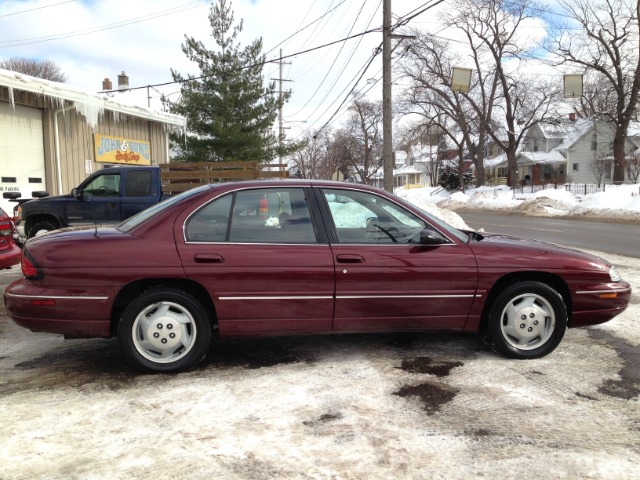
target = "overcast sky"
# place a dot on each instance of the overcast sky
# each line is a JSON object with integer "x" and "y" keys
{"x": 94, "y": 39}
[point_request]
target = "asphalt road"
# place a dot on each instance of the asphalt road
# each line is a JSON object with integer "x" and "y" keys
{"x": 617, "y": 238}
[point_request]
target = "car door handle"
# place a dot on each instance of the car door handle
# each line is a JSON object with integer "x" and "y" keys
{"x": 113, "y": 205}
{"x": 208, "y": 258}
{"x": 349, "y": 258}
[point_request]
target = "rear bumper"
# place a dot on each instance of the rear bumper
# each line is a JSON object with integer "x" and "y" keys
{"x": 45, "y": 310}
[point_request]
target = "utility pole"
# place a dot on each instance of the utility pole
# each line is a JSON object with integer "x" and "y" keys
{"x": 387, "y": 139}
{"x": 280, "y": 103}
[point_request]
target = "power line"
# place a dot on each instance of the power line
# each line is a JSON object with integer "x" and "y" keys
{"x": 144, "y": 18}
{"x": 306, "y": 26}
{"x": 335, "y": 60}
{"x": 36, "y": 8}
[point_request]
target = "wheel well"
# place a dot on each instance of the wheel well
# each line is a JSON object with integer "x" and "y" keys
{"x": 42, "y": 217}
{"x": 550, "y": 279}
{"x": 134, "y": 289}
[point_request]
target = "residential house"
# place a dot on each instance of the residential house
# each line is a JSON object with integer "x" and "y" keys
{"x": 565, "y": 152}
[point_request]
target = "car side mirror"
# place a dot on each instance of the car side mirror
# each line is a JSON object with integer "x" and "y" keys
{"x": 76, "y": 192}
{"x": 429, "y": 237}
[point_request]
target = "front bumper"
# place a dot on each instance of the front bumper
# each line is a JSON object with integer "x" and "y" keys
{"x": 599, "y": 303}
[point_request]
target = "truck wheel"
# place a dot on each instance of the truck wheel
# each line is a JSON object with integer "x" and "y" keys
{"x": 164, "y": 330}
{"x": 43, "y": 226}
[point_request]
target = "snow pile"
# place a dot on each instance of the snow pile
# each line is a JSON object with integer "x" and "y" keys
{"x": 620, "y": 203}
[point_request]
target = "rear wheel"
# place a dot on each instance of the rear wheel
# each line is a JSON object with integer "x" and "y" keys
{"x": 164, "y": 330}
{"x": 527, "y": 320}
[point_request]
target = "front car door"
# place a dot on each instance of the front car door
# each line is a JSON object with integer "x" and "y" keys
{"x": 100, "y": 202}
{"x": 385, "y": 279}
{"x": 259, "y": 252}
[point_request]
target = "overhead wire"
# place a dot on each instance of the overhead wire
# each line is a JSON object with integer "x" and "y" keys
{"x": 405, "y": 19}
{"x": 335, "y": 61}
{"x": 143, "y": 18}
{"x": 36, "y": 8}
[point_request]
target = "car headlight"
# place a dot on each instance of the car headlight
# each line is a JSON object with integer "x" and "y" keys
{"x": 614, "y": 274}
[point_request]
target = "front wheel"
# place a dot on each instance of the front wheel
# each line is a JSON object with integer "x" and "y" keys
{"x": 527, "y": 320}
{"x": 43, "y": 226}
{"x": 164, "y": 330}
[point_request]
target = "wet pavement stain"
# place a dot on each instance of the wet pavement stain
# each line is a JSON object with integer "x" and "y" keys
{"x": 327, "y": 417}
{"x": 263, "y": 353}
{"x": 628, "y": 386}
{"x": 83, "y": 363}
{"x": 432, "y": 395}
{"x": 439, "y": 368}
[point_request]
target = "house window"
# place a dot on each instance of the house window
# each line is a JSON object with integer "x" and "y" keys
{"x": 535, "y": 144}
{"x": 594, "y": 142}
{"x": 607, "y": 171}
{"x": 576, "y": 167}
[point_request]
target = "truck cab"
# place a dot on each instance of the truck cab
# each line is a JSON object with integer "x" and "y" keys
{"x": 108, "y": 196}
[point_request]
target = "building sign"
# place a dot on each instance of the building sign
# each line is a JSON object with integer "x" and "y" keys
{"x": 122, "y": 150}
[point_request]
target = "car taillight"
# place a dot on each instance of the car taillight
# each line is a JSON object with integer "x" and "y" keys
{"x": 30, "y": 268}
{"x": 5, "y": 229}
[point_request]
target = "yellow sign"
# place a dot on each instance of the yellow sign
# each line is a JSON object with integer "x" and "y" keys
{"x": 122, "y": 150}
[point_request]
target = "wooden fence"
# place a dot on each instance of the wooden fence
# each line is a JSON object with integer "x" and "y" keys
{"x": 179, "y": 177}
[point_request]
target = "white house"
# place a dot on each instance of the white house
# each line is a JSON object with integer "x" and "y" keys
{"x": 565, "y": 152}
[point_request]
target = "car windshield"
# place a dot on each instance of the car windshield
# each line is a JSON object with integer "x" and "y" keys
{"x": 159, "y": 207}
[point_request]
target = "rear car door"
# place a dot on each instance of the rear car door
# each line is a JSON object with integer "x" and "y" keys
{"x": 260, "y": 254}
{"x": 387, "y": 280}
{"x": 140, "y": 192}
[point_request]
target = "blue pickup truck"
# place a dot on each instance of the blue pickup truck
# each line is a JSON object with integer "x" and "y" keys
{"x": 109, "y": 195}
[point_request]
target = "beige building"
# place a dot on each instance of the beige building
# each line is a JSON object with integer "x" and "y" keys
{"x": 53, "y": 135}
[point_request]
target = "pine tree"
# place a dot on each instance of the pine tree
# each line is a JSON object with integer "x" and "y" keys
{"x": 229, "y": 111}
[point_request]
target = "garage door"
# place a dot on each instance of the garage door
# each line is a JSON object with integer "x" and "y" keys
{"x": 21, "y": 152}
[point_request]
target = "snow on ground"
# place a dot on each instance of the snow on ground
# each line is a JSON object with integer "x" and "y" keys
{"x": 619, "y": 203}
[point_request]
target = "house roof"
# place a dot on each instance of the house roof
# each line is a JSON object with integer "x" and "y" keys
{"x": 531, "y": 158}
{"x": 90, "y": 105}
{"x": 580, "y": 128}
{"x": 556, "y": 130}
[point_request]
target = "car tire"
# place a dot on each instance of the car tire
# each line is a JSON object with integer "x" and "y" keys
{"x": 527, "y": 320}
{"x": 164, "y": 330}
{"x": 41, "y": 227}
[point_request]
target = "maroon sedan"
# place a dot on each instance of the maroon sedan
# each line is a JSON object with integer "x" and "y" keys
{"x": 301, "y": 257}
{"x": 9, "y": 250}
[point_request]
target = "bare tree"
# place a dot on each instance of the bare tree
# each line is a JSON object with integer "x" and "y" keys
{"x": 632, "y": 167}
{"x": 501, "y": 104}
{"x": 318, "y": 158}
{"x": 421, "y": 142}
{"x": 360, "y": 142}
{"x": 491, "y": 28}
{"x": 427, "y": 65}
{"x": 45, "y": 69}
{"x": 599, "y": 165}
{"x": 607, "y": 50}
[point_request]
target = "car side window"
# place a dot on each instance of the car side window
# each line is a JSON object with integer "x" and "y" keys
{"x": 361, "y": 217}
{"x": 138, "y": 183}
{"x": 107, "y": 185}
{"x": 266, "y": 215}
{"x": 211, "y": 222}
